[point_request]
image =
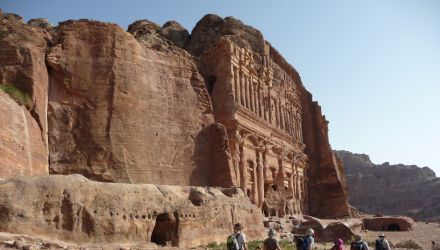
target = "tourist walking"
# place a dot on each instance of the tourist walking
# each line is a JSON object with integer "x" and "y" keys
{"x": 237, "y": 240}
{"x": 308, "y": 240}
{"x": 358, "y": 244}
{"x": 382, "y": 243}
{"x": 339, "y": 245}
{"x": 271, "y": 243}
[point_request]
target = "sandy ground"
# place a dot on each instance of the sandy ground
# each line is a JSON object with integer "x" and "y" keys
{"x": 422, "y": 234}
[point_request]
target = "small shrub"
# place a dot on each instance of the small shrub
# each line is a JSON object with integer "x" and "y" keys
{"x": 287, "y": 245}
{"x": 212, "y": 245}
{"x": 255, "y": 244}
{"x": 215, "y": 246}
{"x": 408, "y": 244}
{"x": 18, "y": 96}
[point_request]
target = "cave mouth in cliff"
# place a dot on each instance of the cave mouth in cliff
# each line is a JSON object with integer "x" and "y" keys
{"x": 393, "y": 227}
{"x": 165, "y": 232}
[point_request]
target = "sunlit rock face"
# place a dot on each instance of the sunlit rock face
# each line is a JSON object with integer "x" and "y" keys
{"x": 155, "y": 105}
{"x": 391, "y": 189}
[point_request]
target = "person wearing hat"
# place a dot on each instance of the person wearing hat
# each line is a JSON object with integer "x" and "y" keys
{"x": 271, "y": 243}
{"x": 237, "y": 240}
{"x": 358, "y": 244}
{"x": 382, "y": 243}
{"x": 308, "y": 240}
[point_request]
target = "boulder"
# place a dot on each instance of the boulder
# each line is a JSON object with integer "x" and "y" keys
{"x": 175, "y": 32}
{"x": 40, "y": 22}
{"x": 143, "y": 27}
{"x": 12, "y": 17}
{"x": 388, "y": 223}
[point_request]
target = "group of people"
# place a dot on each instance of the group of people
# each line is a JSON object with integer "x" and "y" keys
{"x": 237, "y": 241}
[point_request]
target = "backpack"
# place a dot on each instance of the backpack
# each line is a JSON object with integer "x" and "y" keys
{"x": 358, "y": 246}
{"x": 379, "y": 245}
{"x": 232, "y": 242}
{"x": 302, "y": 243}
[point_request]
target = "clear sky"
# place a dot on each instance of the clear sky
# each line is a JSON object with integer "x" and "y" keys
{"x": 374, "y": 66}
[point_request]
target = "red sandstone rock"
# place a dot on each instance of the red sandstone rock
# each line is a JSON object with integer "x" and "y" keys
{"x": 22, "y": 64}
{"x": 174, "y": 32}
{"x": 75, "y": 209}
{"x": 134, "y": 108}
{"x": 278, "y": 137}
{"x": 122, "y": 111}
{"x": 22, "y": 151}
{"x": 388, "y": 223}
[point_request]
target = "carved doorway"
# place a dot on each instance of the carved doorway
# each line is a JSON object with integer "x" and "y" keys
{"x": 165, "y": 232}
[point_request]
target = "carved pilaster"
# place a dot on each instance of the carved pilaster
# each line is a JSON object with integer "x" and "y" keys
{"x": 260, "y": 176}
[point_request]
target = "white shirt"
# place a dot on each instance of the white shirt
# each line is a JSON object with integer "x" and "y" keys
{"x": 241, "y": 239}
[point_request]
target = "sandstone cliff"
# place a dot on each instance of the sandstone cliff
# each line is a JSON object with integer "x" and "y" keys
{"x": 326, "y": 189}
{"x": 391, "y": 189}
{"x": 136, "y": 107}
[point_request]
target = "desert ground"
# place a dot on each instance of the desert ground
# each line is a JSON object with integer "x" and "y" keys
{"x": 422, "y": 234}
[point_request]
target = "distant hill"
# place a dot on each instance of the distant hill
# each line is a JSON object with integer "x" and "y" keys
{"x": 391, "y": 189}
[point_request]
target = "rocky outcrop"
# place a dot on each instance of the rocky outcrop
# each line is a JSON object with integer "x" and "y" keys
{"x": 391, "y": 189}
{"x": 76, "y": 209}
{"x": 118, "y": 108}
{"x": 325, "y": 230}
{"x": 22, "y": 151}
{"x": 174, "y": 32}
{"x": 211, "y": 28}
{"x": 388, "y": 223}
{"x": 40, "y": 22}
{"x": 22, "y": 65}
{"x": 326, "y": 194}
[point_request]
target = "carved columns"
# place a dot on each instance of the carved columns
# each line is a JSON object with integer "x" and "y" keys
{"x": 260, "y": 178}
{"x": 243, "y": 171}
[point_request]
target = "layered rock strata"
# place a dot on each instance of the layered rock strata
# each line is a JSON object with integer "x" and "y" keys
{"x": 74, "y": 208}
{"x": 219, "y": 107}
{"x": 122, "y": 111}
{"x": 391, "y": 189}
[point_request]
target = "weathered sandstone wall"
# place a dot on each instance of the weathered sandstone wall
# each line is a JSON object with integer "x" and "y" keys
{"x": 122, "y": 111}
{"x": 23, "y": 129}
{"x": 22, "y": 64}
{"x": 134, "y": 107}
{"x": 22, "y": 151}
{"x": 76, "y": 209}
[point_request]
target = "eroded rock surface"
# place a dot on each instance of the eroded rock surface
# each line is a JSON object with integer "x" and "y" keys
{"x": 388, "y": 223}
{"x": 392, "y": 189}
{"x": 76, "y": 209}
{"x": 22, "y": 65}
{"x": 277, "y": 135}
{"x": 122, "y": 111}
{"x": 226, "y": 110}
{"x": 22, "y": 151}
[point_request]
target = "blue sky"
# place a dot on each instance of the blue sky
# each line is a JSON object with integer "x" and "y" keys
{"x": 374, "y": 66}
